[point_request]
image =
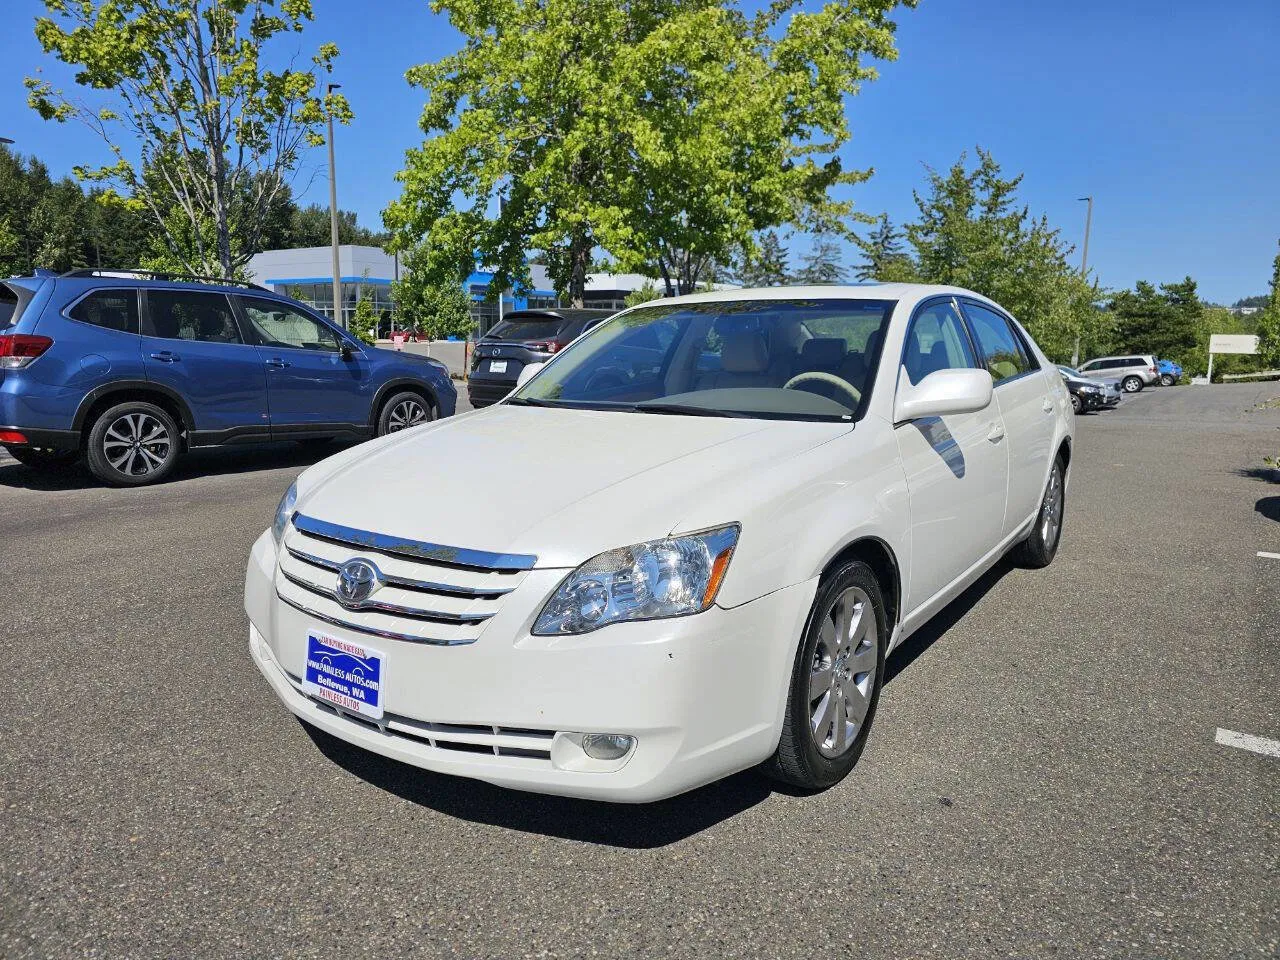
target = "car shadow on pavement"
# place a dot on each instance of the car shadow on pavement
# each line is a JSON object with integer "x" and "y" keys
{"x": 915, "y": 645}
{"x": 198, "y": 463}
{"x": 631, "y": 826}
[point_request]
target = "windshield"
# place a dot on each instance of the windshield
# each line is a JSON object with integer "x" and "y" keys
{"x": 785, "y": 359}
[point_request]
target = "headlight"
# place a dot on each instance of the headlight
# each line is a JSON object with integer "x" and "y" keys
{"x": 648, "y": 581}
{"x": 284, "y": 512}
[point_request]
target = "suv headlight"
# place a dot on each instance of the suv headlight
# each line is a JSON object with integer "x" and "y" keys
{"x": 284, "y": 512}
{"x": 673, "y": 577}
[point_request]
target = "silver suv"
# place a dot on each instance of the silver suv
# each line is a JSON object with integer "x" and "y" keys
{"x": 1134, "y": 370}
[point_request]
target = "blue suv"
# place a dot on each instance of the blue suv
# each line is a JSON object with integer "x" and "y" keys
{"x": 129, "y": 369}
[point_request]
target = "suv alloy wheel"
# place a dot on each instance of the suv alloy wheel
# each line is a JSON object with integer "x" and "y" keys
{"x": 132, "y": 444}
{"x": 1132, "y": 384}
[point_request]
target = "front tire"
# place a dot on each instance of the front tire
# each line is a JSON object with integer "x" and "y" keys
{"x": 1076, "y": 405}
{"x": 404, "y": 410}
{"x": 132, "y": 444}
{"x": 1039, "y": 549}
{"x": 1131, "y": 384}
{"x": 835, "y": 682}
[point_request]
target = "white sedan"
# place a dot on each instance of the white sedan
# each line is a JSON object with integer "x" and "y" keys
{"x": 682, "y": 548}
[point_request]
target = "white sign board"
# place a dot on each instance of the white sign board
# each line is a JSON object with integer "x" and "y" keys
{"x": 1233, "y": 343}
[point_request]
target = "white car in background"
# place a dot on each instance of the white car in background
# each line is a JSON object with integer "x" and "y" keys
{"x": 682, "y": 548}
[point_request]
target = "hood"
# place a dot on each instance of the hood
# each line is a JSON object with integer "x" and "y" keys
{"x": 563, "y": 485}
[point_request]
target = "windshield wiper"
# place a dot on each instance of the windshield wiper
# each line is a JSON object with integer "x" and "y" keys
{"x": 682, "y": 409}
{"x": 530, "y": 402}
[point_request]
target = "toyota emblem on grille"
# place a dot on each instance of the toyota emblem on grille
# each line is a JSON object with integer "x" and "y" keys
{"x": 358, "y": 580}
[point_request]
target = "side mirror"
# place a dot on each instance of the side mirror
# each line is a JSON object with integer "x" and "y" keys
{"x": 527, "y": 373}
{"x": 347, "y": 352}
{"x": 941, "y": 393}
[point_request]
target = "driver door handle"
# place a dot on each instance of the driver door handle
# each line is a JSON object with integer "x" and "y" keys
{"x": 277, "y": 363}
{"x": 996, "y": 433}
{"x": 166, "y": 356}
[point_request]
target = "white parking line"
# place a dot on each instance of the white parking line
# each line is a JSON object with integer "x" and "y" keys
{"x": 1269, "y": 556}
{"x": 1245, "y": 741}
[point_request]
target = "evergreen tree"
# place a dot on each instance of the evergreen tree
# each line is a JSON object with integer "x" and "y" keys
{"x": 766, "y": 265}
{"x": 1269, "y": 322}
{"x": 823, "y": 264}
{"x": 885, "y": 259}
{"x": 1164, "y": 322}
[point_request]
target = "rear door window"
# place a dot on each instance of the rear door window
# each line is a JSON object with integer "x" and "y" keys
{"x": 110, "y": 309}
{"x": 1005, "y": 355}
{"x": 189, "y": 315}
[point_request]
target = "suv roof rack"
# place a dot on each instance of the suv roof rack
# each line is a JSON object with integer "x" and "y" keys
{"x": 144, "y": 274}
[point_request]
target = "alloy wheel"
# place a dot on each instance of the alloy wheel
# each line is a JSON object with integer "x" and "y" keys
{"x": 1132, "y": 385}
{"x": 137, "y": 444}
{"x": 1051, "y": 509}
{"x": 843, "y": 672}
{"x": 406, "y": 413}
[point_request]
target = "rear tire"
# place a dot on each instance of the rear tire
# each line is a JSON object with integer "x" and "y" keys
{"x": 42, "y": 459}
{"x": 132, "y": 444}
{"x": 1168, "y": 380}
{"x": 404, "y": 410}
{"x": 1039, "y": 549}
{"x": 1131, "y": 384}
{"x": 835, "y": 682}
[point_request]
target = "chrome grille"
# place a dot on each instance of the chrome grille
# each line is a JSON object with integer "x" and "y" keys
{"x": 429, "y": 593}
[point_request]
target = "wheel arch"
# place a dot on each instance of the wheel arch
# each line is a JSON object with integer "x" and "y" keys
{"x": 121, "y": 391}
{"x": 879, "y": 556}
{"x": 385, "y": 391}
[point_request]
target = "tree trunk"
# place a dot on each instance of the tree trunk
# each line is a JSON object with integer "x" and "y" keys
{"x": 579, "y": 262}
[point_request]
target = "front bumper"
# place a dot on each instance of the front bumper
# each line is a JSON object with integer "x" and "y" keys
{"x": 702, "y": 695}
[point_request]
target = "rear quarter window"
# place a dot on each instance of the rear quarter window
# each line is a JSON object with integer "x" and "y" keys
{"x": 109, "y": 309}
{"x": 8, "y": 306}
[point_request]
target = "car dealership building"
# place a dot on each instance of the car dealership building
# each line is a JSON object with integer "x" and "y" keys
{"x": 306, "y": 274}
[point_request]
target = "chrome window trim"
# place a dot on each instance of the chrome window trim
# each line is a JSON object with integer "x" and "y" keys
{"x": 372, "y": 631}
{"x": 415, "y": 549}
{"x": 426, "y": 586}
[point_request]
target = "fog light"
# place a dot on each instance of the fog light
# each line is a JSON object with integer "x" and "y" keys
{"x": 606, "y": 746}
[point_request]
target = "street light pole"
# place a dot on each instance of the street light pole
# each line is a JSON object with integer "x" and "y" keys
{"x": 338, "y": 313}
{"x": 1084, "y": 266}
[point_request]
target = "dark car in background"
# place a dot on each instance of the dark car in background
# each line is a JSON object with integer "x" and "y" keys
{"x": 519, "y": 339}
{"x": 1090, "y": 393}
{"x": 130, "y": 368}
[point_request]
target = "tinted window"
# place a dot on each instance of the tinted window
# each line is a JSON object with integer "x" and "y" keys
{"x": 278, "y": 325}
{"x": 186, "y": 315}
{"x": 1002, "y": 348}
{"x": 113, "y": 309}
{"x": 8, "y": 306}
{"x": 936, "y": 341}
{"x": 539, "y": 329}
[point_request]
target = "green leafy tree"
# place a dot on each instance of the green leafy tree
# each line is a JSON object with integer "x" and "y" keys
{"x": 438, "y": 310}
{"x": 823, "y": 264}
{"x": 764, "y": 264}
{"x": 643, "y": 294}
{"x": 216, "y": 133}
{"x": 884, "y": 258}
{"x": 1269, "y": 322}
{"x": 364, "y": 322}
{"x": 665, "y": 131}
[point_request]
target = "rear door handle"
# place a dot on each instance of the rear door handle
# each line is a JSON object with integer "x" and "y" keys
{"x": 996, "y": 433}
{"x": 277, "y": 363}
{"x": 165, "y": 356}
{"x": 1047, "y": 406}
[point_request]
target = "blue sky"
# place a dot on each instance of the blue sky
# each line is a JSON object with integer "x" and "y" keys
{"x": 1167, "y": 112}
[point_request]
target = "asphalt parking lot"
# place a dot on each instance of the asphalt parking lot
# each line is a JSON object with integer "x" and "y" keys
{"x": 1043, "y": 777}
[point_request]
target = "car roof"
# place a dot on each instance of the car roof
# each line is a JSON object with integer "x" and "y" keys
{"x": 908, "y": 292}
{"x": 559, "y": 313}
{"x": 90, "y": 278}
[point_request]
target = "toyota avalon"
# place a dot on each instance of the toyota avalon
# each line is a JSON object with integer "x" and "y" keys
{"x": 727, "y": 510}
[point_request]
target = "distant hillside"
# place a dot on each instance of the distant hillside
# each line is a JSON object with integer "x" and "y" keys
{"x": 1259, "y": 301}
